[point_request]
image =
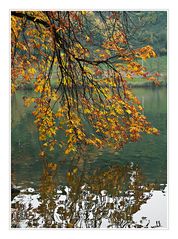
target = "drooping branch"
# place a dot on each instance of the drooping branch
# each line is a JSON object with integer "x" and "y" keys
{"x": 30, "y": 18}
{"x": 91, "y": 88}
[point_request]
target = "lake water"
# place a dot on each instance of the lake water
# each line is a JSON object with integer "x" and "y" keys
{"x": 125, "y": 189}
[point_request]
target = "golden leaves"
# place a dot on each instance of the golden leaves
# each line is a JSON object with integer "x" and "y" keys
{"x": 140, "y": 107}
{"x": 155, "y": 80}
{"x": 155, "y": 131}
{"x": 87, "y": 70}
{"x": 32, "y": 70}
{"x": 92, "y": 89}
{"x": 42, "y": 154}
{"x": 68, "y": 131}
{"x": 129, "y": 76}
{"x": 84, "y": 12}
{"x": 52, "y": 166}
{"x": 79, "y": 51}
{"x": 45, "y": 120}
{"x": 13, "y": 87}
{"x": 129, "y": 111}
{"x": 69, "y": 149}
{"x": 58, "y": 114}
{"x": 40, "y": 85}
{"x": 75, "y": 135}
{"x": 54, "y": 96}
{"x": 145, "y": 52}
{"x": 87, "y": 111}
{"x": 151, "y": 130}
{"x": 28, "y": 101}
{"x": 87, "y": 39}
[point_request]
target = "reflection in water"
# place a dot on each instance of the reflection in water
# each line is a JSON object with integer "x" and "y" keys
{"x": 100, "y": 199}
{"x": 102, "y": 189}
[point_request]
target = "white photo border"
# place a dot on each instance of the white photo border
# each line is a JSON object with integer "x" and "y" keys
{"x": 5, "y": 119}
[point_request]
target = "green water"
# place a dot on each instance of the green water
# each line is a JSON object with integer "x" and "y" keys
{"x": 150, "y": 153}
{"x": 139, "y": 168}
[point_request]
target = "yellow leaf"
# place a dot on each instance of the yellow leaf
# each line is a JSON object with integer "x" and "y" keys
{"x": 28, "y": 101}
{"x": 135, "y": 68}
{"x": 32, "y": 71}
{"x": 155, "y": 131}
{"x": 87, "y": 38}
{"x": 42, "y": 154}
{"x": 140, "y": 107}
{"x": 52, "y": 166}
{"x": 39, "y": 88}
{"x": 129, "y": 76}
{"x": 69, "y": 130}
{"x": 129, "y": 111}
{"x": 54, "y": 96}
{"x": 67, "y": 151}
{"x": 58, "y": 114}
{"x": 75, "y": 170}
{"x": 13, "y": 88}
{"x": 51, "y": 148}
{"x": 87, "y": 111}
{"x": 98, "y": 141}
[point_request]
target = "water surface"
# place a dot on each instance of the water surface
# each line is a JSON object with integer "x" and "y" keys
{"x": 100, "y": 189}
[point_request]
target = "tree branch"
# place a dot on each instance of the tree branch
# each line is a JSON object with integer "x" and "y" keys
{"x": 30, "y": 18}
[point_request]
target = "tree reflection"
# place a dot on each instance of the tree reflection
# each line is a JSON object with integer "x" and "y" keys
{"x": 106, "y": 198}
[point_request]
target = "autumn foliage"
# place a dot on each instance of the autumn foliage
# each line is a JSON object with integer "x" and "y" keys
{"x": 88, "y": 56}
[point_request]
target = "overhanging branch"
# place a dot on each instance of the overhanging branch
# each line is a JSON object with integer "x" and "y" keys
{"x": 30, "y": 18}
